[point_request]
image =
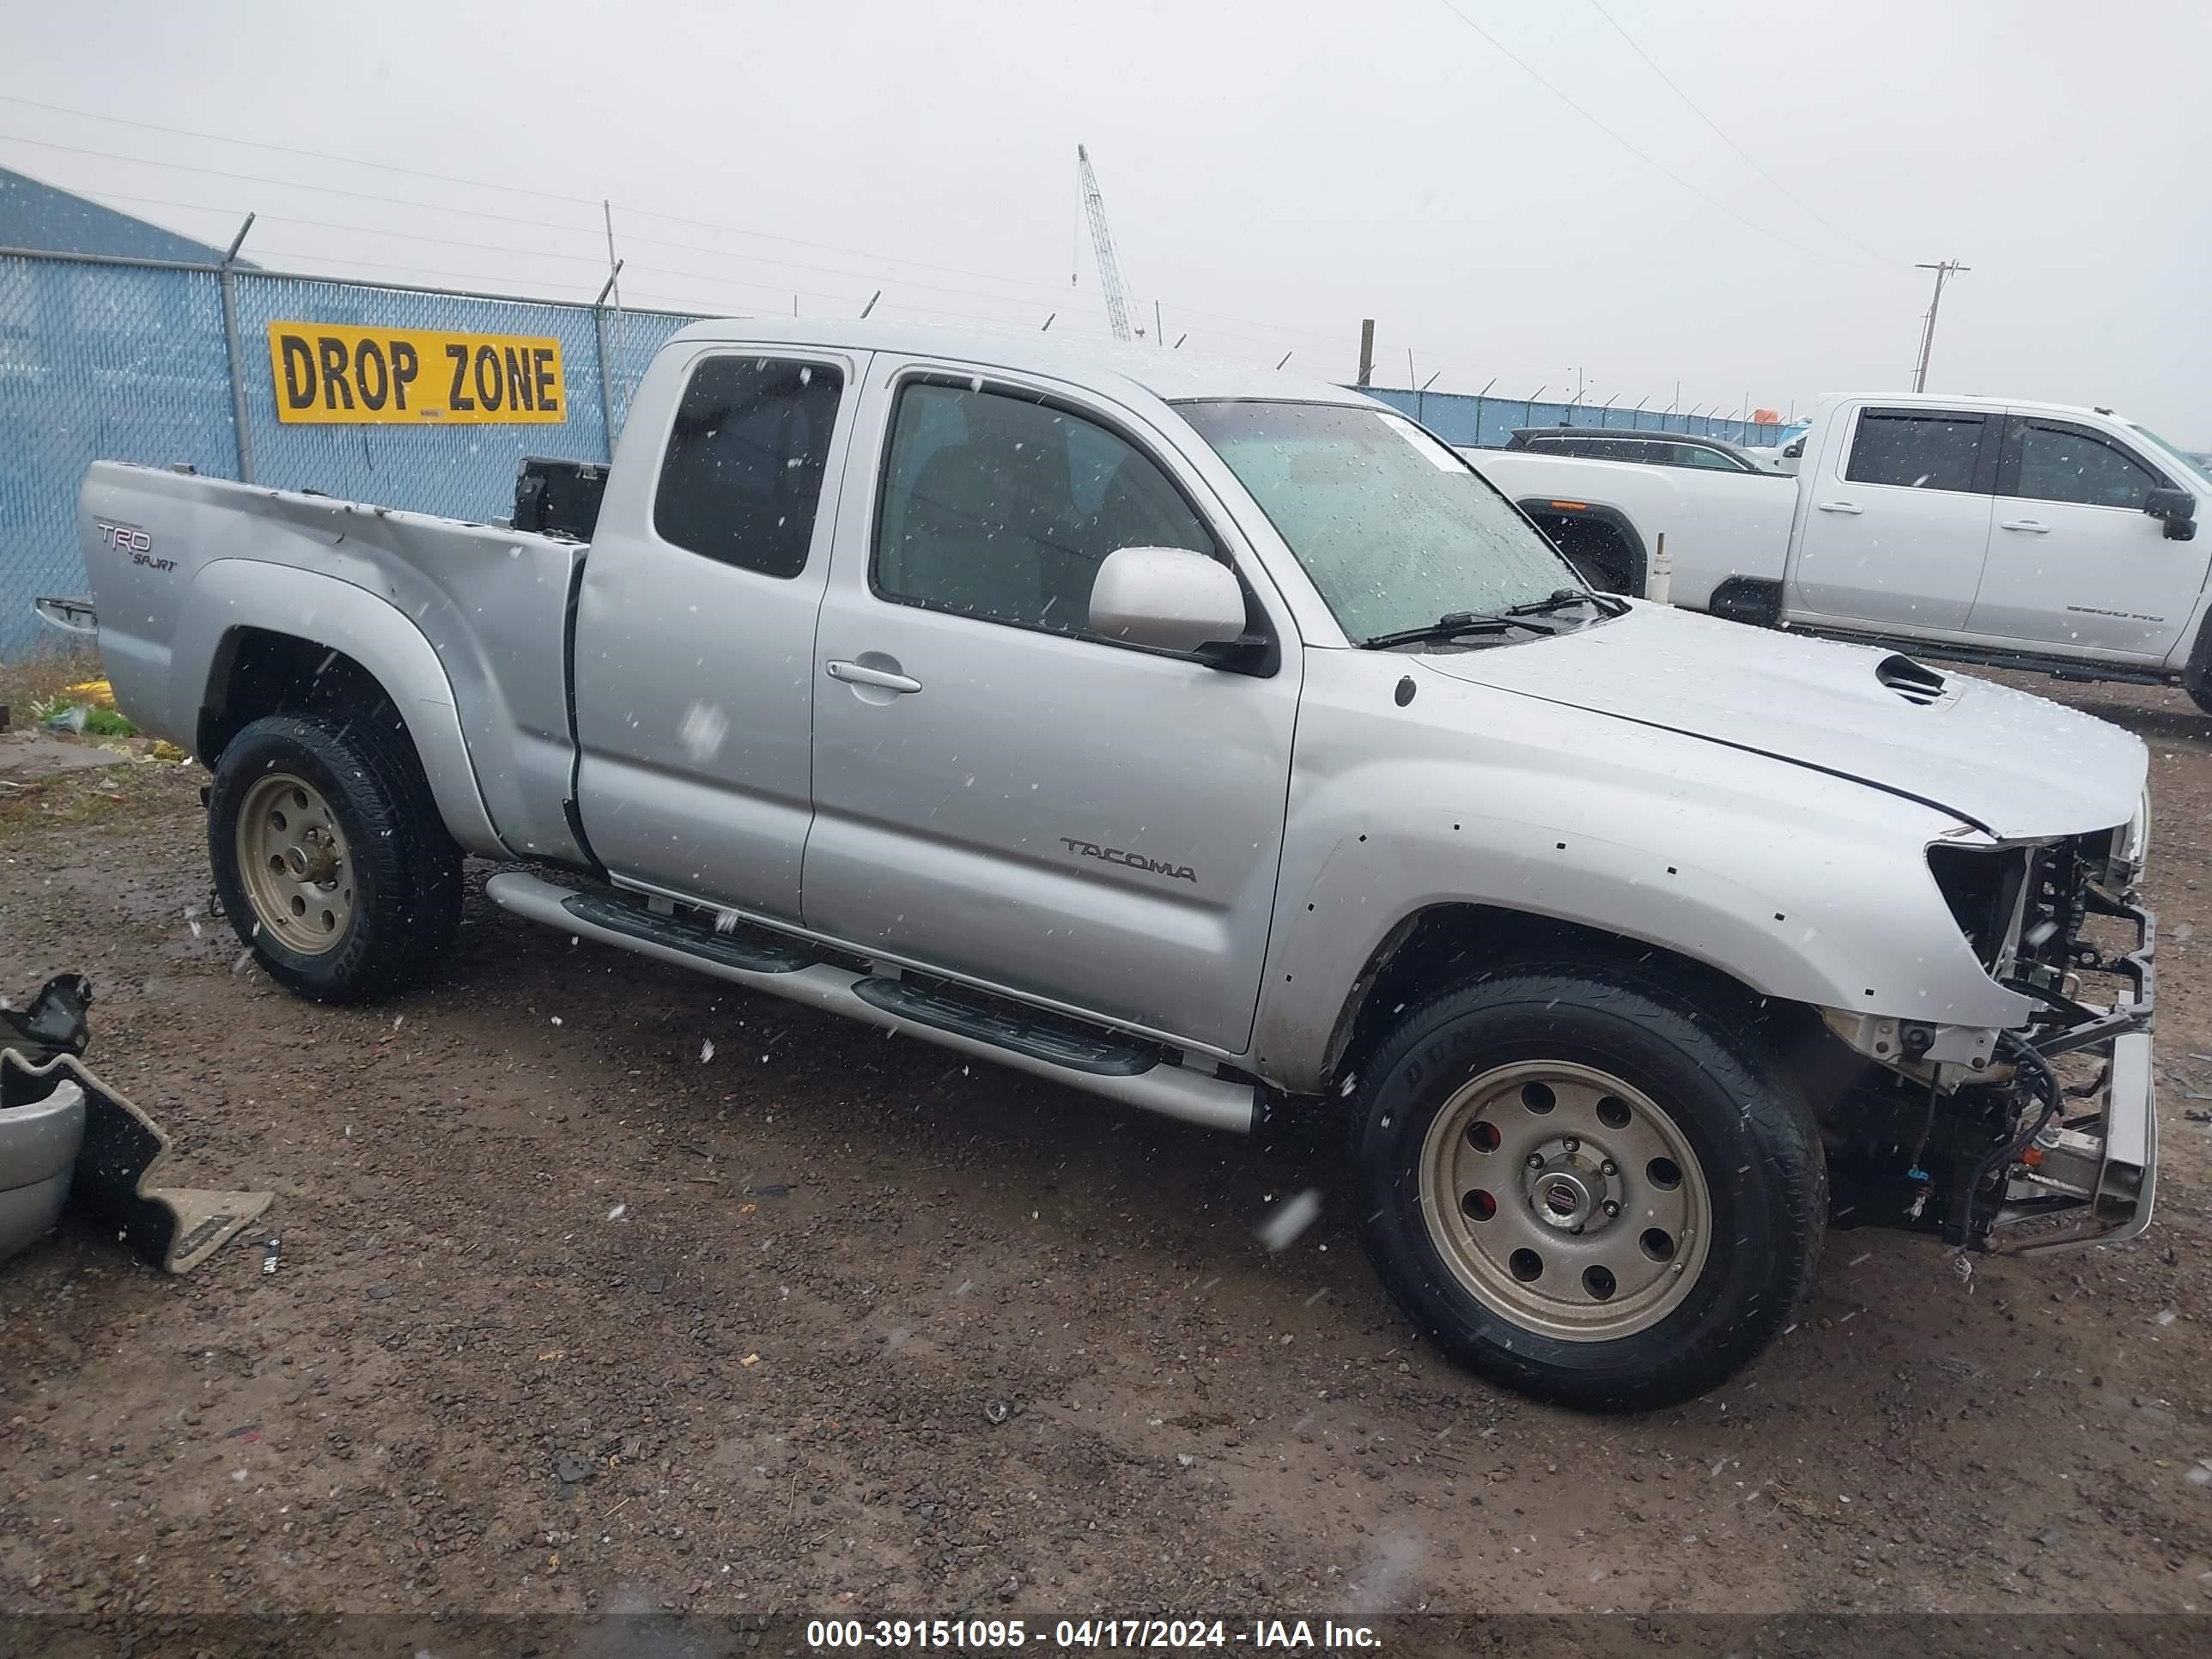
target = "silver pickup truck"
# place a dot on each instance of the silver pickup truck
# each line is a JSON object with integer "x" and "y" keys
{"x": 1218, "y": 743}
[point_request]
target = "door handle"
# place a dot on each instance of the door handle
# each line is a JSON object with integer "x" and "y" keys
{"x": 1841, "y": 507}
{"x": 857, "y": 673}
{"x": 2033, "y": 526}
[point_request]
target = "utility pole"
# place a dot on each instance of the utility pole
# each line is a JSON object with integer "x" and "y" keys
{"x": 1366, "y": 350}
{"x": 1944, "y": 271}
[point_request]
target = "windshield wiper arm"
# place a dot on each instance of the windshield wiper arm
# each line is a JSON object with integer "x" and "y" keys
{"x": 1561, "y": 599}
{"x": 1452, "y": 625}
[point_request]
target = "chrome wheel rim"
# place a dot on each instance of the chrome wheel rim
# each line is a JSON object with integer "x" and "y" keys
{"x": 297, "y": 870}
{"x": 1565, "y": 1200}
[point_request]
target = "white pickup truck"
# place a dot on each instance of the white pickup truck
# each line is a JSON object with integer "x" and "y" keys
{"x": 1215, "y": 742}
{"x": 1974, "y": 529}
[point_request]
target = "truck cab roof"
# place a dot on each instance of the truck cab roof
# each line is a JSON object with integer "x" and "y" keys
{"x": 1166, "y": 374}
{"x": 1974, "y": 400}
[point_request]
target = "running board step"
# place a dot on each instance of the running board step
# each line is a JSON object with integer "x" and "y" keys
{"x": 747, "y": 949}
{"x": 1066, "y": 1052}
{"x": 1100, "y": 1053}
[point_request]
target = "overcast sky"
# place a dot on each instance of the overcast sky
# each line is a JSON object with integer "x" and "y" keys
{"x": 1274, "y": 170}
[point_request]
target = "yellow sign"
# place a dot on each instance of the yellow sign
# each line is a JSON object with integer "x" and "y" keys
{"x": 336, "y": 375}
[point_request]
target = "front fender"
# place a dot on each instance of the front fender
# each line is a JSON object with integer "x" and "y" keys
{"x": 228, "y": 595}
{"x": 1802, "y": 886}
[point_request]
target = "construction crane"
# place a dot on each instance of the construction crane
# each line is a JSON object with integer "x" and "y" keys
{"x": 1102, "y": 245}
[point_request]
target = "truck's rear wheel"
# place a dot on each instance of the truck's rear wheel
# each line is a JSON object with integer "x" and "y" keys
{"x": 1587, "y": 1188}
{"x": 330, "y": 856}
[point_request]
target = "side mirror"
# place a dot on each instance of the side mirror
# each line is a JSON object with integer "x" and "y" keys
{"x": 1168, "y": 598}
{"x": 2178, "y": 508}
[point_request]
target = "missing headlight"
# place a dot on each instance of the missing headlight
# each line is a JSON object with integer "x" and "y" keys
{"x": 1982, "y": 885}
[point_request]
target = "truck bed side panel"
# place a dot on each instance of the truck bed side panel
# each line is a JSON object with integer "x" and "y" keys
{"x": 1718, "y": 525}
{"x": 491, "y": 604}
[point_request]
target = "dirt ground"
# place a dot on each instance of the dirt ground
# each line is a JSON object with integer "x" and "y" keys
{"x": 606, "y": 1288}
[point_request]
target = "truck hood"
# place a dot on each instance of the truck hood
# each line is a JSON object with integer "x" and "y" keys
{"x": 2018, "y": 766}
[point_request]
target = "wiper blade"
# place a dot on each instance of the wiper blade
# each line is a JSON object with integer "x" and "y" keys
{"x": 1452, "y": 625}
{"x": 1561, "y": 599}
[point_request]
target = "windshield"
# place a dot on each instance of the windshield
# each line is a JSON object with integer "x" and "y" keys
{"x": 2180, "y": 457}
{"x": 1394, "y": 528}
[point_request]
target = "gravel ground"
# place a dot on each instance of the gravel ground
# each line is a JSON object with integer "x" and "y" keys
{"x": 606, "y": 1288}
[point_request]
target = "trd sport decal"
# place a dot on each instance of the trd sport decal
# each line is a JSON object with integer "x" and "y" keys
{"x": 129, "y": 538}
{"x": 1091, "y": 849}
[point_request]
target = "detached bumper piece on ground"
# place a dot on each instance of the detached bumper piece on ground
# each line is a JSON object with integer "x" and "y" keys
{"x": 66, "y": 1137}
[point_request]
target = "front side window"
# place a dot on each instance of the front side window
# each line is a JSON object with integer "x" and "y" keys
{"x": 1916, "y": 448}
{"x": 998, "y": 506}
{"x": 1394, "y": 529}
{"x": 2058, "y": 463}
{"x": 2197, "y": 466}
{"x": 742, "y": 475}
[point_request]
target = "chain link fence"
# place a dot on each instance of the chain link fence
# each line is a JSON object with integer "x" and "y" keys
{"x": 136, "y": 361}
{"x": 96, "y": 361}
{"x": 105, "y": 359}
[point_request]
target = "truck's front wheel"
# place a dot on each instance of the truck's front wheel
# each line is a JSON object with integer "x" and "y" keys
{"x": 1587, "y": 1188}
{"x": 330, "y": 857}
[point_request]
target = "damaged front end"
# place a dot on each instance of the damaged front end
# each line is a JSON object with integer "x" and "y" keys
{"x": 2041, "y": 1137}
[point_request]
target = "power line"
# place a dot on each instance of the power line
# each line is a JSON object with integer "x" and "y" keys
{"x": 592, "y": 259}
{"x": 473, "y": 184}
{"x": 1756, "y": 166}
{"x": 596, "y": 262}
{"x": 1656, "y": 165}
{"x": 285, "y": 184}
{"x": 1051, "y": 288}
{"x": 290, "y": 150}
{"x": 540, "y": 224}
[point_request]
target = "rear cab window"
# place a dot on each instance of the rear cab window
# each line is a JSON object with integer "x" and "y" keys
{"x": 1924, "y": 449}
{"x": 742, "y": 476}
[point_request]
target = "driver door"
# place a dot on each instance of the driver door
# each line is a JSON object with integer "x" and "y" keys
{"x": 999, "y": 792}
{"x": 2075, "y": 565}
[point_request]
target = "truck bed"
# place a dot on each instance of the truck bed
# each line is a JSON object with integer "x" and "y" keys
{"x": 182, "y": 564}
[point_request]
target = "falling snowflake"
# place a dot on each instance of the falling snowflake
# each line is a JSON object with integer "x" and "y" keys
{"x": 1290, "y": 1219}
{"x": 701, "y": 733}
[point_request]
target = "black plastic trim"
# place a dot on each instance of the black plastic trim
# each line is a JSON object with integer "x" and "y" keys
{"x": 1102, "y": 1054}
{"x": 1753, "y": 599}
{"x": 746, "y": 949}
{"x": 2059, "y": 668}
